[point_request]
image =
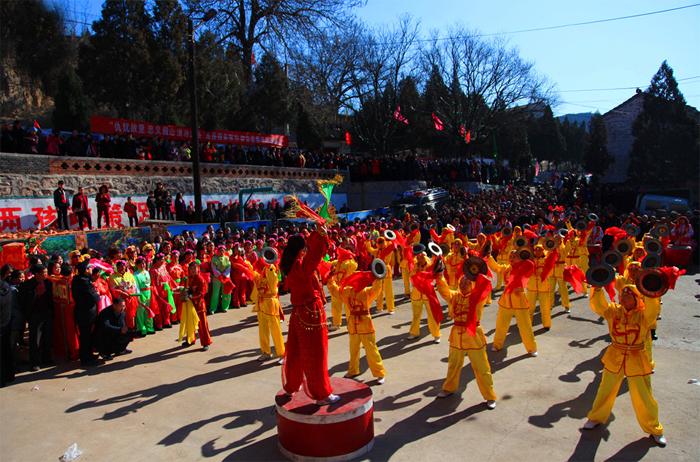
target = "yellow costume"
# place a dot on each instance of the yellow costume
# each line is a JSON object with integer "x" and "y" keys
{"x": 267, "y": 305}
{"x": 360, "y": 327}
{"x": 453, "y": 263}
{"x": 558, "y": 282}
{"x": 625, "y": 358}
{"x": 189, "y": 322}
{"x": 342, "y": 270}
{"x": 461, "y": 343}
{"x": 512, "y": 304}
{"x": 420, "y": 301}
{"x": 387, "y": 283}
{"x": 537, "y": 290}
{"x": 403, "y": 264}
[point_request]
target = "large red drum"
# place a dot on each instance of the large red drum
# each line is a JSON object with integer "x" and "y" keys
{"x": 677, "y": 255}
{"x": 337, "y": 432}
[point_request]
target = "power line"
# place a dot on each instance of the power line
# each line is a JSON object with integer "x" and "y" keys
{"x": 595, "y": 21}
{"x": 545, "y": 28}
{"x": 624, "y": 88}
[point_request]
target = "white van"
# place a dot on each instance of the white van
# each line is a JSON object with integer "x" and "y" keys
{"x": 653, "y": 202}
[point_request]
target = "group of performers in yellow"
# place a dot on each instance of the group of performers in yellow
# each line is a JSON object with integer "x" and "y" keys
{"x": 527, "y": 279}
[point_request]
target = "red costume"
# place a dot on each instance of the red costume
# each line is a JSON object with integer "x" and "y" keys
{"x": 307, "y": 340}
{"x": 198, "y": 292}
{"x": 159, "y": 296}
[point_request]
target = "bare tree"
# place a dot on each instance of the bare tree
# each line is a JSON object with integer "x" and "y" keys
{"x": 492, "y": 76}
{"x": 245, "y": 24}
{"x": 385, "y": 58}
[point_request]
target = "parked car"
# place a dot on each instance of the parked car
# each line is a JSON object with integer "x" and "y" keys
{"x": 417, "y": 201}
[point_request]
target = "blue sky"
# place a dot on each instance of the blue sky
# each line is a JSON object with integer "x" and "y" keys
{"x": 624, "y": 53}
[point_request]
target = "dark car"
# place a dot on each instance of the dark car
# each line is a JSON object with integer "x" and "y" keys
{"x": 417, "y": 201}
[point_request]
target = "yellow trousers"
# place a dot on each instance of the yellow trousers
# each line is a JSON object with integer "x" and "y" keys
{"x": 499, "y": 280}
{"x": 645, "y": 406}
{"x": 522, "y": 317}
{"x": 337, "y": 311}
{"x": 405, "y": 275}
{"x": 269, "y": 325}
{"x": 374, "y": 359}
{"x": 545, "y": 306}
{"x": 480, "y": 366}
{"x": 647, "y": 350}
{"x": 388, "y": 292}
{"x": 433, "y": 327}
{"x": 563, "y": 292}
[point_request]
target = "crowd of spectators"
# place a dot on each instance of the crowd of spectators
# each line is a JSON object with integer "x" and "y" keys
{"x": 16, "y": 138}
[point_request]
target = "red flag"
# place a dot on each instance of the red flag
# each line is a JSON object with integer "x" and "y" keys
{"x": 36, "y": 125}
{"x": 466, "y": 134}
{"x": 252, "y": 58}
{"x": 398, "y": 116}
{"x": 348, "y": 138}
{"x": 439, "y": 126}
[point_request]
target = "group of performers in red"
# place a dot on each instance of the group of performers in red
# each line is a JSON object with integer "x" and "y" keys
{"x": 179, "y": 281}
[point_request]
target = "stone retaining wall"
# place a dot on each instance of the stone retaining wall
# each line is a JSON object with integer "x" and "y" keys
{"x": 35, "y": 175}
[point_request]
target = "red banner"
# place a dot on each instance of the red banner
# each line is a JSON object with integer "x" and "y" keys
{"x": 109, "y": 126}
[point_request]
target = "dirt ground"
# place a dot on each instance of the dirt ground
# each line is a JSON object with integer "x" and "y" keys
{"x": 165, "y": 402}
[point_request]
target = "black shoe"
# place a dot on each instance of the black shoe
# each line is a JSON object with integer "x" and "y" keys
{"x": 107, "y": 357}
{"x": 169, "y": 326}
{"x": 186, "y": 344}
{"x": 151, "y": 332}
{"x": 35, "y": 368}
{"x": 158, "y": 329}
{"x": 210, "y": 313}
{"x": 175, "y": 323}
{"x": 125, "y": 352}
{"x": 205, "y": 348}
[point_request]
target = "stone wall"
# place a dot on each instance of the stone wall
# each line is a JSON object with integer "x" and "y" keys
{"x": 33, "y": 175}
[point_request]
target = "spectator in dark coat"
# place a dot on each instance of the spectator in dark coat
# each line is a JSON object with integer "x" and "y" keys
{"x": 36, "y": 300}
{"x": 60, "y": 201}
{"x": 85, "y": 296}
{"x": 111, "y": 337}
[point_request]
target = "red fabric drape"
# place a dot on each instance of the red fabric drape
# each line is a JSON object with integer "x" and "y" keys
{"x": 574, "y": 276}
{"x": 423, "y": 281}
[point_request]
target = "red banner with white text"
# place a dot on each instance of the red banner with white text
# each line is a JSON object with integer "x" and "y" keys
{"x": 138, "y": 128}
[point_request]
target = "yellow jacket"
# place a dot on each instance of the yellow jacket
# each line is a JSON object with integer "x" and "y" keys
{"x": 535, "y": 284}
{"x": 563, "y": 251}
{"x": 358, "y": 303}
{"x": 514, "y": 300}
{"x": 453, "y": 263}
{"x": 267, "y": 300}
{"x": 458, "y": 308}
{"x": 416, "y": 295}
{"x": 628, "y": 330}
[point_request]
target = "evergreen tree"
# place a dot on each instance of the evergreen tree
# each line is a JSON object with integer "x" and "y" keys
{"x": 115, "y": 63}
{"x": 596, "y": 158}
{"x": 170, "y": 59}
{"x": 575, "y": 139}
{"x": 308, "y": 136}
{"x": 665, "y": 148}
{"x": 271, "y": 95}
{"x": 546, "y": 141}
{"x": 71, "y": 109}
